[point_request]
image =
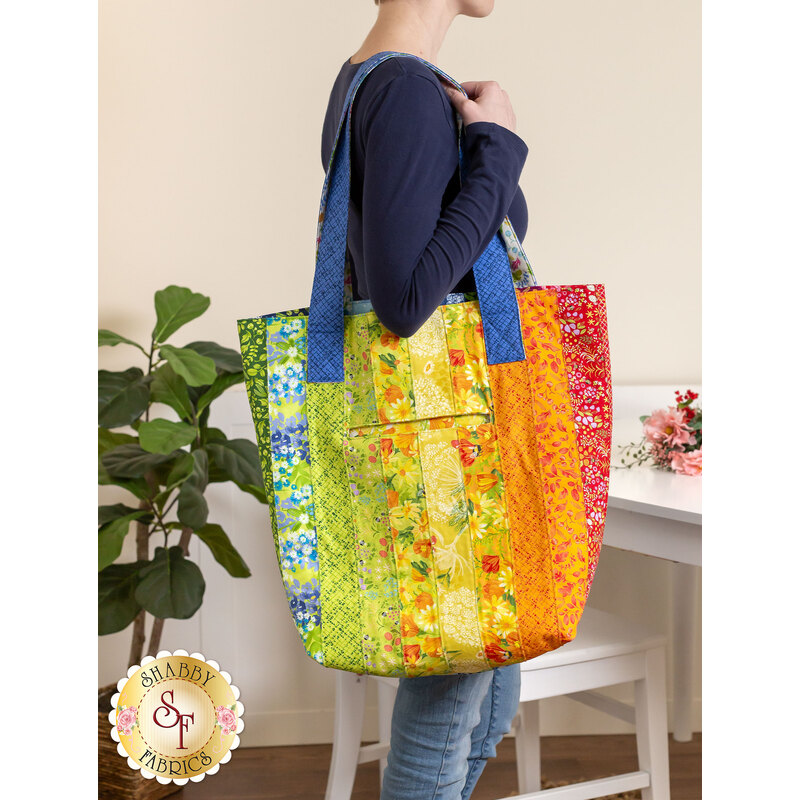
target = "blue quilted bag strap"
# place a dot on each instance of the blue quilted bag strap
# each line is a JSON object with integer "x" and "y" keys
{"x": 493, "y": 279}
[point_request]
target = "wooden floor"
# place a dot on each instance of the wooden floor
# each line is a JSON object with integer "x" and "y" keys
{"x": 300, "y": 773}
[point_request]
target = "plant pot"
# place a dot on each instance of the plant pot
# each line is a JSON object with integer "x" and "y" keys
{"x": 116, "y": 780}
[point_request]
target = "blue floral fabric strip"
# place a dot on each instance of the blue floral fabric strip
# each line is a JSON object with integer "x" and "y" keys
{"x": 293, "y": 505}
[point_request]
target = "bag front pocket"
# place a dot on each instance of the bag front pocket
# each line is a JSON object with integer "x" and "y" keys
{"x": 439, "y": 372}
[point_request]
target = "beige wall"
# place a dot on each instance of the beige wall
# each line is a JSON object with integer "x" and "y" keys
{"x": 210, "y": 174}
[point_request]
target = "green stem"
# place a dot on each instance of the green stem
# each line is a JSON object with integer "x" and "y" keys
{"x": 169, "y": 507}
{"x": 142, "y": 554}
{"x": 160, "y": 517}
{"x": 155, "y": 636}
{"x": 149, "y": 371}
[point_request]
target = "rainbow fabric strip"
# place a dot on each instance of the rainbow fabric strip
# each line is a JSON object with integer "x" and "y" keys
{"x": 433, "y": 513}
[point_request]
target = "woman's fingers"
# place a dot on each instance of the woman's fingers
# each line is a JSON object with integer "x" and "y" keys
{"x": 486, "y": 101}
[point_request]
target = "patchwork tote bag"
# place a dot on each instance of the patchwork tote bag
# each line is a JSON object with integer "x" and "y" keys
{"x": 437, "y": 501}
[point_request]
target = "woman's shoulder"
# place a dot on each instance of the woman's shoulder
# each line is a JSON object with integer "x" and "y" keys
{"x": 404, "y": 81}
{"x": 397, "y": 88}
{"x": 399, "y": 68}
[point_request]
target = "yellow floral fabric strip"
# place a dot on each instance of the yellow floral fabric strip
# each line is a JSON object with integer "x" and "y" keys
{"x": 391, "y": 374}
{"x": 537, "y": 617}
{"x": 491, "y": 543}
{"x": 408, "y": 519}
{"x": 559, "y": 456}
{"x": 430, "y": 369}
{"x": 452, "y": 551}
{"x": 467, "y": 352}
{"x": 377, "y": 581}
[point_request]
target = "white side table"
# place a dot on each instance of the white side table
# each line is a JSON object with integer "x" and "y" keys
{"x": 659, "y": 514}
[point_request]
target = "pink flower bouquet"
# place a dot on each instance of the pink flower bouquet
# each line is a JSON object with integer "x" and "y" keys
{"x": 673, "y": 438}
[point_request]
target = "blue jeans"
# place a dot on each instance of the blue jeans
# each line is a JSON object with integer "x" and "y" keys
{"x": 444, "y": 728}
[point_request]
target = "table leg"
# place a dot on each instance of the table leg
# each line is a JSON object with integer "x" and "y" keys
{"x": 685, "y": 596}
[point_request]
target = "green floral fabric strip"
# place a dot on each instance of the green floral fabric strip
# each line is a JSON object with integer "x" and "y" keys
{"x": 359, "y": 391}
{"x": 252, "y": 336}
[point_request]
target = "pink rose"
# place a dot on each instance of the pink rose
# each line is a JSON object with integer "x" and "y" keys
{"x": 690, "y": 463}
{"x": 226, "y": 719}
{"x": 668, "y": 426}
{"x": 126, "y": 720}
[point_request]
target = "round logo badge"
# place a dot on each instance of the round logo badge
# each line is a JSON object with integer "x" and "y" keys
{"x": 176, "y": 717}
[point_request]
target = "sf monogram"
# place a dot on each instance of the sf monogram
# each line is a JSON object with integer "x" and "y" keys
{"x": 176, "y": 717}
{"x": 181, "y": 720}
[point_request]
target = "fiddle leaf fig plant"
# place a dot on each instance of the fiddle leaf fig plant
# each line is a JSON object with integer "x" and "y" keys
{"x": 165, "y": 465}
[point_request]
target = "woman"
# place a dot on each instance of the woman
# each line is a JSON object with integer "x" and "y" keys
{"x": 414, "y": 234}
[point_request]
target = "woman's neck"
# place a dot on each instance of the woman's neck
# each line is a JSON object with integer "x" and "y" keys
{"x": 407, "y": 27}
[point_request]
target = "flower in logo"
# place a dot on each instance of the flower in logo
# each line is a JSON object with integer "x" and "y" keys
{"x": 126, "y": 720}
{"x": 226, "y": 719}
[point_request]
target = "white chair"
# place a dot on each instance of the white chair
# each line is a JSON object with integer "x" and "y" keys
{"x": 608, "y": 650}
{"x": 348, "y": 752}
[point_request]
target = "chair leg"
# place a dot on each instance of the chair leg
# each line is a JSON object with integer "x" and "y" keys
{"x": 386, "y": 697}
{"x": 528, "y": 749}
{"x": 651, "y": 725}
{"x": 351, "y": 690}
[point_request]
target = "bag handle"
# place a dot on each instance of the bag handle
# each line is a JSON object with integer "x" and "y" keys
{"x": 493, "y": 279}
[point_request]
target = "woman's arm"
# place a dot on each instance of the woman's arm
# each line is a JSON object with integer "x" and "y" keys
{"x": 416, "y": 251}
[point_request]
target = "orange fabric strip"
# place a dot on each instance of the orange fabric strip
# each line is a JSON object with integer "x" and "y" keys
{"x": 559, "y": 457}
{"x": 533, "y": 575}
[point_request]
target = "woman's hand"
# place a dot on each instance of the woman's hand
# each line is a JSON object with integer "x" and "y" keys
{"x": 486, "y": 102}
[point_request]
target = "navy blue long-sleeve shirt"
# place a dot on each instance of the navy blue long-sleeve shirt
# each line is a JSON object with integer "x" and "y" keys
{"x": 413, "y": 232}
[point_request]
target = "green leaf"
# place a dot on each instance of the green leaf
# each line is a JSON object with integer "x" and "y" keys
{"x": 223, "y": 551}
{"x": 164, "y": 436}
{"x": 130, "y": 461}
{"x": 136, "y": 486}
{"x": 117, "y": 605}
{"x": 192, "y": 506}
{"x": 169, "y": 388}
{"x": 180, "y": 471}
{"x": 108, "y": 440}
{"x": 111, "y": 535}
{"x": 122, "y": 397}
{"x": 170, "y": 586}
{"x": 257, "y": 491}
{"x": 175, "y": 306}
{"x": 220, "y": 385}
{"x": 107, "y": 514}
{"x": 106, "y": 338}
{"x": 237, "y": 458}
{"x": 227, "y": 360}
{"x": 215, "y": 435}
{"x": 219, "y": 474}
{"x": 195, "y": 369}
